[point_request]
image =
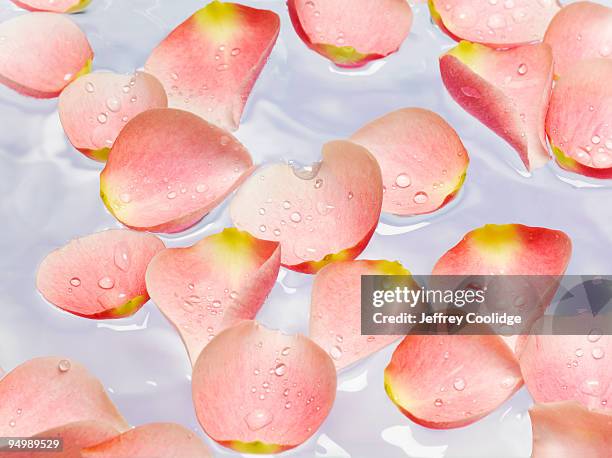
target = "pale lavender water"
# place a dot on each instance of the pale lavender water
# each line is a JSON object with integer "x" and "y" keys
{"x": 49, "y": 195}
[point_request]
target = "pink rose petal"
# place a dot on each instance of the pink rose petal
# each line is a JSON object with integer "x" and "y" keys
{"x": 260, "y": 391}
{"x": 449, "y": 381}
{"x": 321, "y": 215}
{"x": 168, "y": 168}
{"x": 581, "y": 30}
{"x": 41, "y": 53}
{"x": 508, "y": 91}
{"x": 74, "y": 437}
{"x": 94, "y": 108}
{"x": 578, "y": 120}
{"x": 54, "y": 6}
{"x": 560, "y": 368}
{"x": 422, "y": 159}
{"x": 567, "y": 429}
{"x": 351, "y": 33}
{"x": 335, "y": 310}
{"x": 101, "y": 275}
{"x": 155, "y": 440}
{"x": 218, "y": 282}
{"x": 210, "y": 62}
{"x": 500, "y": 24}
{"x": 508, "y": 249}
{"x": 47, "y": 393}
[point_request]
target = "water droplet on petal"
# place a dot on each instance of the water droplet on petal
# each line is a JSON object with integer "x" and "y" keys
{"x": 89, "y": 87}
{"x": 64, "y": 365}
{"x": 102, "y": 118}
{"x": 438, "y": 402}
{"x": 280, "y": 370}
{"x": 420, "y": 197}
{"x": 74, "y": 281}
{"x": 113, "y": 104}
{"x": 598, "y": 353}
{"x": 336, "y": 352}
{"x": 459, "y": 384}
{"x": 258, "y": 419}
{"x": 594, "y": 335}
{"x": 402, "y": 180}
{"x": 106, "y": 283}
{"x": 121, "y": 256}
{"x": 296, "y": 217}
{"x": 522, "y": 69}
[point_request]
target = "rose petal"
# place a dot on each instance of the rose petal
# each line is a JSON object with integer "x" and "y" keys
{"x": 155, "y": 440}
{"x": 568, "y": 429}
{"x": 46, "y": 393}
{"x": 502, "y": 24}
{"x": 422, "y": 159}
{"x": 449, "y": 381}
{"x": 508, "y": 91}
{"x": 218, "y": 282}
{"x": 560, "y": 367}
{"x": 101, "y": 275}
{"x": 578, "y": 120}
{"x": 168, "y": 168}
{"x": 74, "y": 437}
{"x": 321, "y": 215}
{"x": 41, "y": 53}
{"x": 260, "y": 391}
{"x": 581, "y": 30}
{"x": 94, "y": 108}
{"x": 54, "y": 6}
{"x": 335, "y": 310}
{"x": 509, "y": 249}
{"x": 210, "y": 62}
{"x": 351, "y": 33}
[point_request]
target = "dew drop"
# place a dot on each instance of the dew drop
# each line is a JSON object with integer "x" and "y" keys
{"x": 579, "y": 352}
{"x": 336, "y": 352}
{"x": 286, "y": 205}
{"x": 201, "y": 188}
{"x": 74, "y": 281}
{"x": 296, "y": 217}
{"x": 594, "y": 335}
{"x": 64, "y": 365}
{"x": 597, "y": 353}
{"x": 12, "y": 423}
{"x": 285, "y": 351}
{"x": 121, "y": 257}
{"x": 522, "y": 69}
{"x": 263, "y": 228}
{"x": 235, "y": 52}
{"x": 280, "y": 370}
{"x": 471, "y": 92}
{"x": 420, "y": 198}
{"x": 258, "y": 419}
{"x": 89, "y": 87}
{"x": 459, "y": 384}
{"x": 402, "y": 180}
{"x": 171, "y": 195}
{"x": 106, "y": 283}
{"x": 438, "y": 402}
{"x": 102, "y": 118}
{"x": 113, "y": 104}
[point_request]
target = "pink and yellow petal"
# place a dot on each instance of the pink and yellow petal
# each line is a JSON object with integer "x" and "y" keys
{"x": 101, "y": 275}
{"x": 499, "y": 25}
{"x": 260, "y": 391}
{"x": 507, "y": 90}
{"x": 30, "y": 394}
{"x": 351, "y": 33}
{"x": 41, "y": 53}
{"x": 209, "y": 63}
{"x": 422, "y": 159}
{"x": 319, "y": 215}
{"x": 168, "y": 168}
{"x": 95, "y": 107}
{"x": 154, "y": 440}
{"x": 216, "y": 283}
{"x": 335, "y": 310}
{"x": 450, "y": 381}
{"x": 578, "y": 117}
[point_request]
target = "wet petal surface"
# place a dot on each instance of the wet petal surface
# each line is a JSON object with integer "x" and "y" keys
{"x": 501, "y": 24}
{"x": 568, "y": 429}
{"x": 508, "y": 91}
{"x": 210, "y": 62}
{"x": 351, "y": 33}
{"x": 31, "y": 393}
{"x": 168, "y": 168}
{"x": 221, "y": 280}
{"x": 578, "y": 120}
{"x": 101, "y": 275}
{"x": 581, "y": 30}
{"x": 335, "y": 310}
{"x": 260, "y": 391}
{"x": 155, "y": 440}
{"x": 447, "y": 381}
{"x": 95, "y": 107}
{"x": 41, "y": 53}
{"x": 320, "y": 213}
{"x": 422, "y": 160}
